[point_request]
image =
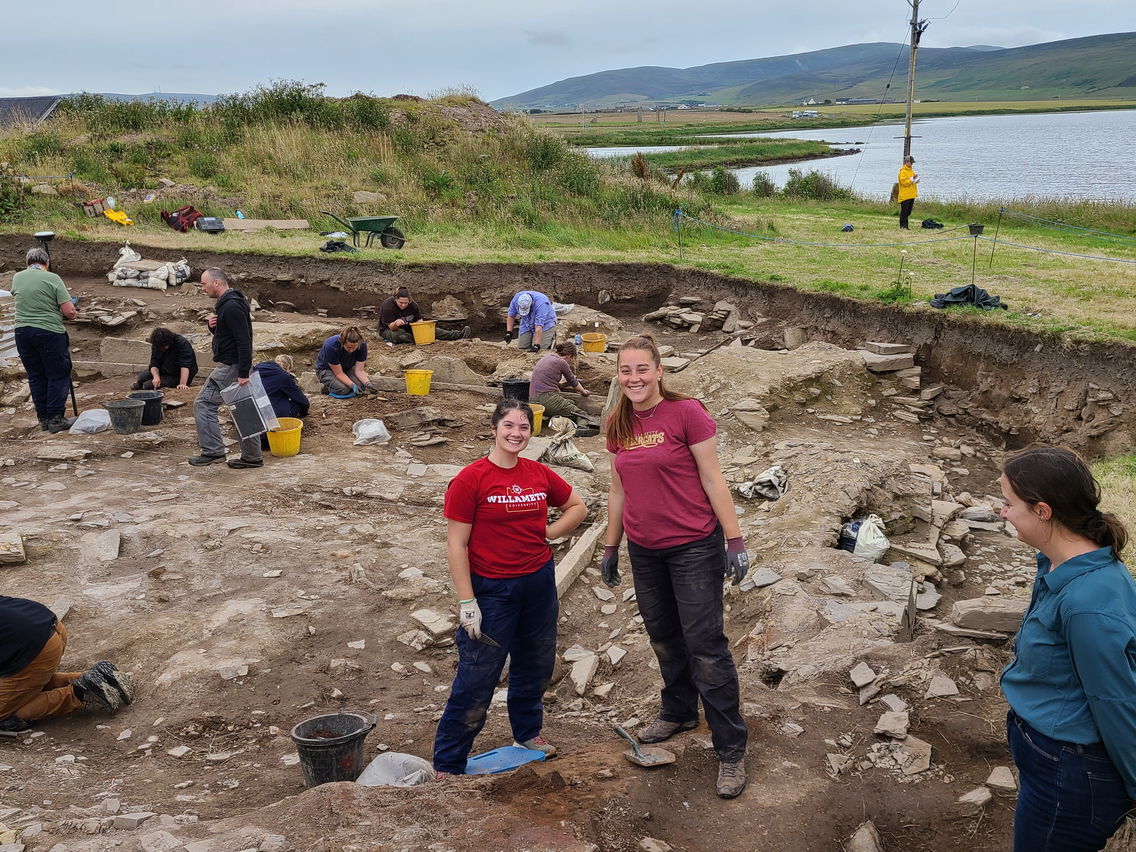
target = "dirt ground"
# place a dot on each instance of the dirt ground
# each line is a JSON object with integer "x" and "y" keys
{"x": 275, "y": 571}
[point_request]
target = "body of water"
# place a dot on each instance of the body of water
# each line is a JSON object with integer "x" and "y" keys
{"x": 983, "y": 157}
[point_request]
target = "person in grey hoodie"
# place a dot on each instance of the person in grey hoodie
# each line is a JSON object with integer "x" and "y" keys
{"x": 231, "y": 327}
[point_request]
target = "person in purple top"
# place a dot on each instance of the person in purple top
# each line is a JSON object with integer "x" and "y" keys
{"x": 544, "y": 387}
{"x": 535, "y": 319}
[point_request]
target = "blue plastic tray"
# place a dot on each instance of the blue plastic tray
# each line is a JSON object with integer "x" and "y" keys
{"x": 501, "y": 760}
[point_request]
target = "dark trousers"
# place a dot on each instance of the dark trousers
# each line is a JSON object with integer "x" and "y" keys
{"x": 520, "y": 614}
{"x": 679, "y": 591}
{"x": 404, "y": 334}
{"x": 905, "y": 211}
{"x": 145, "y": 381}
{"x": 47, "y": 362}
{"x": 1071, "y": 798}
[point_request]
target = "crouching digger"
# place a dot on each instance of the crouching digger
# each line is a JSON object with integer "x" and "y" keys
{"x": 32, "y": 641}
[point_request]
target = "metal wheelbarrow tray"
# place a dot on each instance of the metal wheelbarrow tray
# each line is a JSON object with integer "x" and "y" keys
{"x": 373, "y": 226}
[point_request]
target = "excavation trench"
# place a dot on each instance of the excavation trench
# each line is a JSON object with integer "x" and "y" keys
{"x": 1017, "y": 386}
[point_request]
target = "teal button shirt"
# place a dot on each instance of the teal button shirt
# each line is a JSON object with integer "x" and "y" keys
{"x": 1074, "y": 674}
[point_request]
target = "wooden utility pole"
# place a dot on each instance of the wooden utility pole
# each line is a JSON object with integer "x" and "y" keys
{"x": 917, "y": 28}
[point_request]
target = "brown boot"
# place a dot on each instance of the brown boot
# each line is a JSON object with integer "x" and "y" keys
{"x": 661, "y": 729}
{"x": 731, "y": 778}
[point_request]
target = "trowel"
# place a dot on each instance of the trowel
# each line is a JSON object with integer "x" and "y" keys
{"x": 647, "y": 756}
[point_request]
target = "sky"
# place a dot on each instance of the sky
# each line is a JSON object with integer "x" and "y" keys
{"x": 492, "y": 47}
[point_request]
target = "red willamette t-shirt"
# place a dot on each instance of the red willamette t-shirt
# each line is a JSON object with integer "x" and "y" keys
{"x": 508, "y": 508}
{"x": 664, "y": 504}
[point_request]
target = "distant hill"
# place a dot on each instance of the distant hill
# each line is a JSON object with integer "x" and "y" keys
{"x": 1094, "y": 66}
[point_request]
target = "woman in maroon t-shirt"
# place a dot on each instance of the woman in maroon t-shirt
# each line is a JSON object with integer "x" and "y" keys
{"x": 668, "y": 494}
{"x": 505, "y": 579}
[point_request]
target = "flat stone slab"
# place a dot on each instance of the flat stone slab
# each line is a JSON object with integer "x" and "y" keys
{"x": 12, "y": 548}
{"x": 941, "y": 686}
{"x": 989, "y": 613}
{"x": 888, "y": 348}
{"x": 887, "y": 363}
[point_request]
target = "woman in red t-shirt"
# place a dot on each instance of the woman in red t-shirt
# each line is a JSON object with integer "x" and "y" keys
{"x": 668, "y": 494}
{"x": 505, "y": 579}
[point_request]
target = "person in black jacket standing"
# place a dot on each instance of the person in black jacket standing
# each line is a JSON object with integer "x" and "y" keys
{"x": 231, "y": 327}
{"x": 173, "y": 363}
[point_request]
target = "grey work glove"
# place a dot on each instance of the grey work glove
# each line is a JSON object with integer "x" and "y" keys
{"x": 737, "y": 560}
{"x": 609, "y": 565}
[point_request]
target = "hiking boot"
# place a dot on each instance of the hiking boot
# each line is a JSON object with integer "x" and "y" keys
{"x": 13, "y": 724}
{"x": 538, "y": 743}
{"x": 242, "y": 463}
{"x": 202, "y": 460}
{"x": 43, "y": 421}
{"x": 95, "y": 691}
{"x": 661, "y": 729}
{"x": 466, "y": 332}
{"x": 731, "y": 778}
{"x": 122, "y": 682}
{"x": 60, "y": 424}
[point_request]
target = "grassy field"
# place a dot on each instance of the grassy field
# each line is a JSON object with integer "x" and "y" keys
{"x": 1117, "y": 477}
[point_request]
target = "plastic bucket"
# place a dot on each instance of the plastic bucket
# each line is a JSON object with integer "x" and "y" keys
{"x": 423, "y": 331}
{"x": 285, "y": 440}
{"x": 418, "y": 382}
{"x": 515, "y": 389}
{"x": 331, "y": 747}
{"x": 152, "y": 413}
{"x": 538, "y": 416}
{"x": 125, "y": 414}
{"x": 594, "y": 342}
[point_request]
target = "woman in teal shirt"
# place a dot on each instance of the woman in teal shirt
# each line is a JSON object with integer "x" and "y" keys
{"x": 1072, "y": 683}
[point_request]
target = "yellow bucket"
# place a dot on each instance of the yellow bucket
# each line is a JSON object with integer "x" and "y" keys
{"x": 418, "y": 382}
{"x": 594, "y": 342}
{"x": 538, "y": 416}
{"x": 285, "y": 439}
{"x": 423, "y": 331}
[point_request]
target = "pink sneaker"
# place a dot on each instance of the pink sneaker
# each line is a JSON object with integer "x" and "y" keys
{"x": 538, "y": 743}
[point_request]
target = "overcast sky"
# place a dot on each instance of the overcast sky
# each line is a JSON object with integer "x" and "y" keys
{"x": 496, "y": 47}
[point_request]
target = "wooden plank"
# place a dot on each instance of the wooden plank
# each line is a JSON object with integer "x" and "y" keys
{"x": 579, "y": 557}
{"x": 258, "y": 224}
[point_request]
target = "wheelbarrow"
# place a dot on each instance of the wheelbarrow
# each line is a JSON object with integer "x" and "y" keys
{"x": 373, "y": 226}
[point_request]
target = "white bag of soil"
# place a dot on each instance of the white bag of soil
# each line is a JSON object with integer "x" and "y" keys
{"x": 370, "y": 431}
{"x": 871, "y": 542}
{"x": 562, "y": 451}
{"x": 394, "y": 769}
{"x": 91, "y": 421}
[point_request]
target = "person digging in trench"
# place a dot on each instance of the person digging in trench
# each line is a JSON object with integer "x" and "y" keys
{"x": 231, "y": 327}
{"x": 173, "y": 363}
{"x": 544, "y": 386}
{"x": 341, "y": 365}
{"x": 535, "y": 319}
{"x": 32, "y": 642}
{"x": 399, "y": 311}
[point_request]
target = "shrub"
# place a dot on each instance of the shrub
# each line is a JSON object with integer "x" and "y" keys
{"x": 543, "y": 151}
{"x": 763, "y": 185}
{"x": 815, "y": 186}
{"x": 723, "y": 182}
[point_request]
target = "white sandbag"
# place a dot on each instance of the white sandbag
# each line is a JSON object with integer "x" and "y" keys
{"x": 370, "y": 431}
{"x": 871, "y": 541}
{"x": 395, "y": 769}
{"x": 562, "y": 451}
{"x": 90, "y": 421}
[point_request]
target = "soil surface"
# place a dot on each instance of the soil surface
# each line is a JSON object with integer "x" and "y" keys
{"x": 247, "y": 601}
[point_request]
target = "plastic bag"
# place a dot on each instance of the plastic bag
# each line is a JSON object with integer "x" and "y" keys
{"x": 250, "y": 407}
{"x": 394, "y": 769}
{"x": 91, "y": 421}
{"x": 562, "y": 451}
{"x": 126, "y": 255}
{"x": 771, "y": 483}
{"x": 871, "y": 542}
{"x": 370, "y": 431}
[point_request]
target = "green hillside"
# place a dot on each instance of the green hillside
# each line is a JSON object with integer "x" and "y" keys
{"x": 1094, "y": 66}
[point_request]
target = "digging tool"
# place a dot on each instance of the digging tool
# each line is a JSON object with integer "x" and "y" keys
{"x": 485, "y": 640}
{"x": 646, "y": 756}
{"x": 9, "y": 734}
{"x": 74, "y": 402}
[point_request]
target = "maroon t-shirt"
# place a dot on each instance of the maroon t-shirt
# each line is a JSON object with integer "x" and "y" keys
{"x": 664, "y": 504}
{"x": 508, "y": 508}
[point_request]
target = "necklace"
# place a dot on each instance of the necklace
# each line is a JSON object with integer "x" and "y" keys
{"x": 648, "y": 416}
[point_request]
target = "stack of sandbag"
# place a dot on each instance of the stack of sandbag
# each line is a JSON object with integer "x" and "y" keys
{"x": 131, "y": 270}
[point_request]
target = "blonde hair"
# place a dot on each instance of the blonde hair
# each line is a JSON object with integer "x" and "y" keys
{"x": 350, "y": 334}
{"x": 285, "y": 362}
{"x": 621, "y": 425}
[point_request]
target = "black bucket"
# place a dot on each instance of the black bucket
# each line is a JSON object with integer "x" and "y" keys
{"x": 331, "y": 747}
{"x": 516, "y": 389}
{"x": 125, "y": 415}
{"x": 152, "y": 413}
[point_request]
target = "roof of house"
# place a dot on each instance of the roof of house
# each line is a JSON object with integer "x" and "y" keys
{"x": 15, "y": 111}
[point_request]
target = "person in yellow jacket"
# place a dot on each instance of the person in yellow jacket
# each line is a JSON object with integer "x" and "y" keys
{"x": 908, "y": 191}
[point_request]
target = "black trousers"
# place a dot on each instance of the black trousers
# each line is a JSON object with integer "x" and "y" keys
{"x": 905, "y": 211}
{"x": 47, "y": 361}
{"x": 679, "y": 592}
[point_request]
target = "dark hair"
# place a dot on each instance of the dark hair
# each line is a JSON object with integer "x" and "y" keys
{"x": 350, "y": 334}
{"x": 621, "y": 426}
{"x": 163, "y": 338}
{"x": 217, "y": 274}
{"x": 509, "y": 404}
{"x": 1060, "y": 478}
{"x": 566, "y": 348}
{"x": 402, "y": 293}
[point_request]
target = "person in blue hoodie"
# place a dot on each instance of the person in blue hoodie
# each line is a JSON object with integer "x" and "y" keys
{"x": 280, "y": 384}
{"x": 1071, "y": 685}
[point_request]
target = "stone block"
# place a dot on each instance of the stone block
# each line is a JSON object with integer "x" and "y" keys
{"x": 449, "y": 369}
{"x": 121, "y": 350}
{"x": 132, "y": 820}
{"x": 674, "y": 363}
{"x": 888, "y": 348}
{"x": 997, "y": 613}
{"x": 887, "y": 363}
{"x": 865, "y": 839}
{"x": 12, "y": 548}
{"x": 583, "y": 670}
